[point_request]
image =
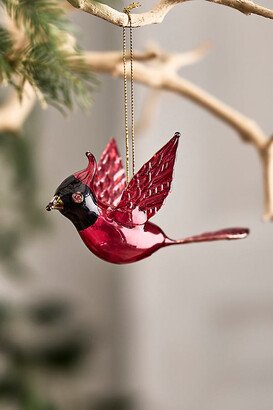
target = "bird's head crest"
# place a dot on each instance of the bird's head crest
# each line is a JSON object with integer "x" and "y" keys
{"x": 86, "y": 175}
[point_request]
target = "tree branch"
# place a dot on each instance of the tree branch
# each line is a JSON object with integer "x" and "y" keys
{"x": 157, "y": 14}
{"x": 158, "y": 70}
{"x": 14, "y": 112}
{"x": 164, "y": 76}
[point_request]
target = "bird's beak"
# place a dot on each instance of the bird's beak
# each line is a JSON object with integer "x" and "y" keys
{"x": 55, "y": 203}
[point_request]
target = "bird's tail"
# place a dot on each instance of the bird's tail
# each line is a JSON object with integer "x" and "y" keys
{"x": 223, "y": 234}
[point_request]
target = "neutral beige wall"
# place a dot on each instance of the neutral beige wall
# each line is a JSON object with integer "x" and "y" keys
{"x": 191, "y": 327}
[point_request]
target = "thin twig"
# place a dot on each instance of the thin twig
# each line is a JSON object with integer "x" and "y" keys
{"x": 267, "y": 163}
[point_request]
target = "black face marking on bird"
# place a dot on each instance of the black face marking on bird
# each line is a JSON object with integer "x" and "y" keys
{"x": 76, "y": 202}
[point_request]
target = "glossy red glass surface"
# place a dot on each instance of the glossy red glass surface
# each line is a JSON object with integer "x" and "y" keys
{"x": 113, "y": 218}
{"x": 115, "y": 243}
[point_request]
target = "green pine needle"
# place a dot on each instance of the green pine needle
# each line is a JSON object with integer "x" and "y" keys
{"x": 37, "y": 16}
{"x": 50, "y": 60}
{"x": 5, "y": 47}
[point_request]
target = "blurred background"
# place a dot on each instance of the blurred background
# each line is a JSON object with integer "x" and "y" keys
{"x": 189, "y": 328}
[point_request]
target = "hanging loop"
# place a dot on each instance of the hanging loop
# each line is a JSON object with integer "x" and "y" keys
{"x": 131, "y": 7}
{"x": 127, "y": 10}
{"x": 125, "y": 108}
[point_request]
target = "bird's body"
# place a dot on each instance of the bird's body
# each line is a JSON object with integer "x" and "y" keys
{"x": 117, "y": 244}
{"x": 112, "y": 218}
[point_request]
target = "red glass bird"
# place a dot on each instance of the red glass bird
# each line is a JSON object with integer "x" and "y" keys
{"x": 112, "y": 218}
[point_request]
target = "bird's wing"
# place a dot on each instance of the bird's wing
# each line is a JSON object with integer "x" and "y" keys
{"x": 109, "y": 180}
{"x": 147, "y": 190}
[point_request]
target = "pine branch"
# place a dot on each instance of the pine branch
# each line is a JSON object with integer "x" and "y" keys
{"x": 41, "y": 50}
{"x": 38, "y": 17}
{"x": 54, "y": 73}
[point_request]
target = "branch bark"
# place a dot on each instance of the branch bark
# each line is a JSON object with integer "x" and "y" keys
{"x": 157, "y": 14}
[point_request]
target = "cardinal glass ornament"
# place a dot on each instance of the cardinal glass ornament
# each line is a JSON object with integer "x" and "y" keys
{"x": 112, "y": 218}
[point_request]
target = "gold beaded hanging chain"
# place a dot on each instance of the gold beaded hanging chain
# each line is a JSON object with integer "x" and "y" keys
{"x": 127, "y": 10}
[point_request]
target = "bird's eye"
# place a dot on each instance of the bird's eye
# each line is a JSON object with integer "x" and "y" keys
{"x": 77, "y": 197}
